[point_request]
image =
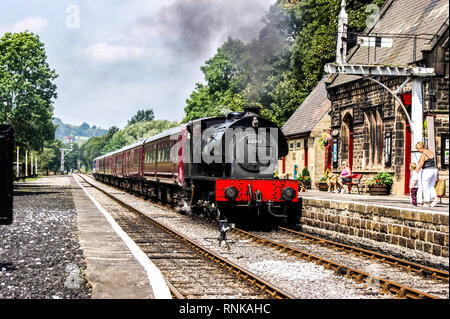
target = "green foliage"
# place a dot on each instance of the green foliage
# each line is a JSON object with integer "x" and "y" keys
{"x": 94, "y": 147}
{"x": 27, "y": 90}
{"x": 49, "y": 159}
{"x": 323, "y": 179}
{"x": 142, "y": 116}
{"x": 71, "y": 159}
{"x": 382, "y": 178}
{"x": 304, "y": 180}
{"x": 305, "y": 172}
{"x": 134, "y": 132}
{"x": 219, "y": 96}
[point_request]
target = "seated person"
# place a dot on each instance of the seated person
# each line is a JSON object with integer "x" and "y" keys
{"x": 345, "y": 176}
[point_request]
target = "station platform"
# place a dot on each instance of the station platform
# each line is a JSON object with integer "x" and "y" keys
{"x": 402, "y": 202}
{"x": 114, "y": 269}
{"x": 388, "y": 224}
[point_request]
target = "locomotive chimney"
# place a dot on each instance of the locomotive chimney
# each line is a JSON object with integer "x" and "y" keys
{"x": 252, "y": 109}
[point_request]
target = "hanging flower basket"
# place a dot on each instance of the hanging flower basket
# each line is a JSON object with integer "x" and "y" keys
{"x": 325, "y": 140}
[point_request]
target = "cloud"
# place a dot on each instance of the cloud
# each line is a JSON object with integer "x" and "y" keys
{"x": 116, "y": 64}
{"x": 33, "y": 24}
{"x": 183, "y": 30}
{"x": 111, "y": 52}
{"x": 193, "y": 27}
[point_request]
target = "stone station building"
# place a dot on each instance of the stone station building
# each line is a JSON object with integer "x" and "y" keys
{"x": 368, "y": 126}
{"x": 303, "y": 130}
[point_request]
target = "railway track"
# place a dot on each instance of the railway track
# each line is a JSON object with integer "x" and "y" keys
{"x": 188, "y": 267}
{"x": 385, "y": 285}
{"x": 410, "y": 267}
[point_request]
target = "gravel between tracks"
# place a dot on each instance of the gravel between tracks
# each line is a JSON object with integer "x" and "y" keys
{"x": 40, "y": 256}
{"x": 302, "y": 279}
{"x": 428, "y": 285}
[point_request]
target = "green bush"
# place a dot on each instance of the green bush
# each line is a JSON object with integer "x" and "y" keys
{"x": 305, "y": 172}
{"x": 382, "y": 178}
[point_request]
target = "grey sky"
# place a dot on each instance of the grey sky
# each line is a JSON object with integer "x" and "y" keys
{"x": 114, "y": 57}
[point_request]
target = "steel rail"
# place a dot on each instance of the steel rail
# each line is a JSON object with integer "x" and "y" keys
{"x": 386, "y": 286}
{"x": 393, "y": 261}
{"x": 240, "y": 272}
{"x": 173, "y": 291}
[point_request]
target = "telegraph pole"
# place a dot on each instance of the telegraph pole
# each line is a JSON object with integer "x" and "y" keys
{"x": 65, "y": 151}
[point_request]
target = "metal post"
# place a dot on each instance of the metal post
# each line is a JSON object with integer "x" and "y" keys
{"x": 35, "y": 164}
{"x": 31, "y": 165}
{"x": 341, "y": 43}
{"x": 17, "y": 163}
{"x": 416, "y": 116}
{"x": 26, "y": 163}
{"x": 62, "y": 162}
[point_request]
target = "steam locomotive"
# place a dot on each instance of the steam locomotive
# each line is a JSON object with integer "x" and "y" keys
{"x": 220, "y": 167}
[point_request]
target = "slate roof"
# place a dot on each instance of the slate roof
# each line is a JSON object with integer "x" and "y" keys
{"x": 310, "y": 112}
{"x": 423, "y": 18}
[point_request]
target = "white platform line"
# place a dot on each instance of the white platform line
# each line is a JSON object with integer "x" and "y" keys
{"x": 155, "y": 278}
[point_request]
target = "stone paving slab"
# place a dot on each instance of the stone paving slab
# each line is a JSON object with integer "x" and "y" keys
{"x": 384, "y": 201}
{"x": 111, "y": 269}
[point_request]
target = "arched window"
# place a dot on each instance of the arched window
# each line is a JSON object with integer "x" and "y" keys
{"x": 375, "y": 138}
{"x": 347, "y": 139}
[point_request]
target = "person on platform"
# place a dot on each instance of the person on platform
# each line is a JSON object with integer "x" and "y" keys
{"x": 345, "y": 176}
{"x": 413, "y": 183}
{"x": 428, "y": 174}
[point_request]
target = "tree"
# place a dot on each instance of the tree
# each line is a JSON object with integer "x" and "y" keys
{"x": 142, "y": 116}
{"x": 94, "y": 147}
{"x": 49, "y": 158}
{"x": 220, "y": 95}
{"x": 27, "y": 90}
{"x": 134, "y": 132}
{"x": 278, "y": 69}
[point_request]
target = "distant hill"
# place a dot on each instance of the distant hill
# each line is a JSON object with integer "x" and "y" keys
{"x": 79, "y": 133}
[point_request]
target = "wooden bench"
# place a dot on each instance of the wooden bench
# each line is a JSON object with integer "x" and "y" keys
{"x": 356, "y": 181}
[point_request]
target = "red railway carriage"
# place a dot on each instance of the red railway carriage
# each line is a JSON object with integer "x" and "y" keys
{"x": 133, "y": 165}
{"x": 117, "y": 168}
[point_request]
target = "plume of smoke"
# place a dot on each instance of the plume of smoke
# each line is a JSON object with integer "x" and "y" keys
{"x": 197, "y": 27}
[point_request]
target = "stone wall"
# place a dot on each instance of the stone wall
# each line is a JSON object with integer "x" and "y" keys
{"x": 409, "y": 233}
{"x": 316, "y": 155}
{"x": 372, "y": 111}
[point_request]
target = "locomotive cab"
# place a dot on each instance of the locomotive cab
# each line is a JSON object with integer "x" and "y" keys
{"x": 241, "y": 145}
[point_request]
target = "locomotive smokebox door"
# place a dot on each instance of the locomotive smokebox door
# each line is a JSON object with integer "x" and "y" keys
{"x": 6, "y": 173}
